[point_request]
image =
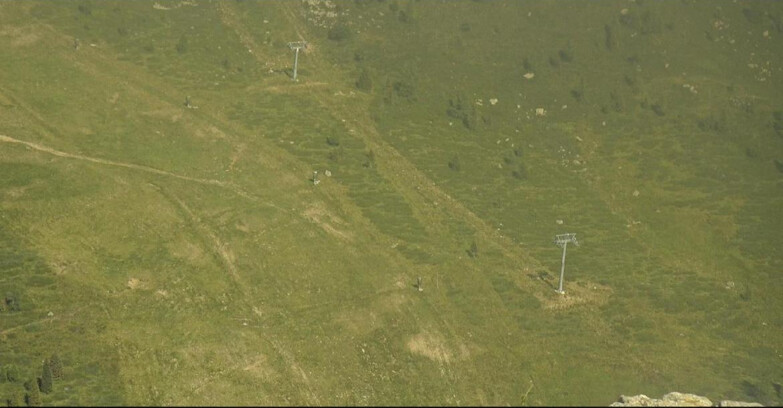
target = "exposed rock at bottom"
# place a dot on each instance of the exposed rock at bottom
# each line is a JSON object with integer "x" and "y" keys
{"x": 727, "y": 403}
{"x": 677, "y": 399}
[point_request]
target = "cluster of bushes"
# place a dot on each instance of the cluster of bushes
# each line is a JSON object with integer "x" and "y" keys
{"x": 563, "y": 55}
{"x": 336, "y": 152}
{"x": 467, "y": 115}
{"x": 30, "y": 393}
{"x": 398, "y": 89}
{"x": 646, "y": 23}
{"x": 406, "y": 16}
{"x": 403, "y": 90}
{"x": 515, "y": 160}
{"x": 655, "y": 107}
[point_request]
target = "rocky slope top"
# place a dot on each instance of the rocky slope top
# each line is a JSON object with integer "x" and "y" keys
{"x": 677, "y": 399}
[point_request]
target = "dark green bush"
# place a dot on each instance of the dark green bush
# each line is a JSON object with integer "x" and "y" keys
{"x": 454, "y": 163}
{"x": 403, "y": 89}
{"x": 12, "y": 302}
{"x": 566, "y": 55}
{"x": 12, "y": 373}
{"x": 364, "y": 83}
{"x": 577, "y": 94}
{"x": 33, "y": 394}
{"x": 369, "y": 159}
{"x": 473, "y": 250}
{"x": 57, "y": 366}
{"x": 609, "y": 39}
{"x": 182, "y": 45}
{"x": 469, "y": 120}
{"x": 17, "y": 398}
{"x": 520, "y": 173}
{"x": 85, "y": 8}
{"x": 779, "y": 165}
{"x": 46, "y": 380}
{"x": 339, "y": 32}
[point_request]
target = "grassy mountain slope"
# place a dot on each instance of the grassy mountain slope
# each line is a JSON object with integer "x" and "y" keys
{"x": 182, "y": 255}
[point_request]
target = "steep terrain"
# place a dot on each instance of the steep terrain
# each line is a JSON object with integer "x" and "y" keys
{"x": 160, "y": 230}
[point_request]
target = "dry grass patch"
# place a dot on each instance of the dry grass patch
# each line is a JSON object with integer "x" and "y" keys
{"x": 188, "y": 251}
{"x": 433, "y": 346}
{"x": 325, "y": 220}
{"x": 135, "y": 283}
{"x": 20, "y": 36}
{"x": 577, "y": 294}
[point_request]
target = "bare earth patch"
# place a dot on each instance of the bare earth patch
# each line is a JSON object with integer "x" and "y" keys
{"x": 189, "y": 251}
{"x": 577, "y": 294}
{"x": 20, "y": 36}
{"x": 323, "y": 218}
{"x": 259, "y": 368}
{"x": 433, "y": 346}
{"x": 134, "y": 283}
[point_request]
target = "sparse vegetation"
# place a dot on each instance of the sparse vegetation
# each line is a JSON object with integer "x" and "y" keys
{"x": 180, "y": 254}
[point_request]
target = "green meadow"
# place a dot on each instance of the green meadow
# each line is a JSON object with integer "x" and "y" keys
{"x": 161, "y": 232}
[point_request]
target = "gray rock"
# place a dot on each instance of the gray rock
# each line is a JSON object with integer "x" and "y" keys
{"x": 685, "y": 400}
{"x": 640, "y": 400}
{"x": 727, "y": 403}
{"x": 676, "y": 399}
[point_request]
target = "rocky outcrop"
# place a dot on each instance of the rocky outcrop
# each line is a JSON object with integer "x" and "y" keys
{"x": 677, "y": 399}
{"x": 738, "y": 404}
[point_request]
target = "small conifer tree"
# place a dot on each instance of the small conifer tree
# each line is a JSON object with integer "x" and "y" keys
{"x": 46, "y": 378}
{"x": 11, "y": 373}
{"x": 33, "y": 394}
{"x": 17, "y": 397}
{"x": 57, "y": 366}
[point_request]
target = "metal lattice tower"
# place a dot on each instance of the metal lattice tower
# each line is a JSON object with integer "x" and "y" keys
{"x": 562, "y": 240}
{"x": 296, "y": 46}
